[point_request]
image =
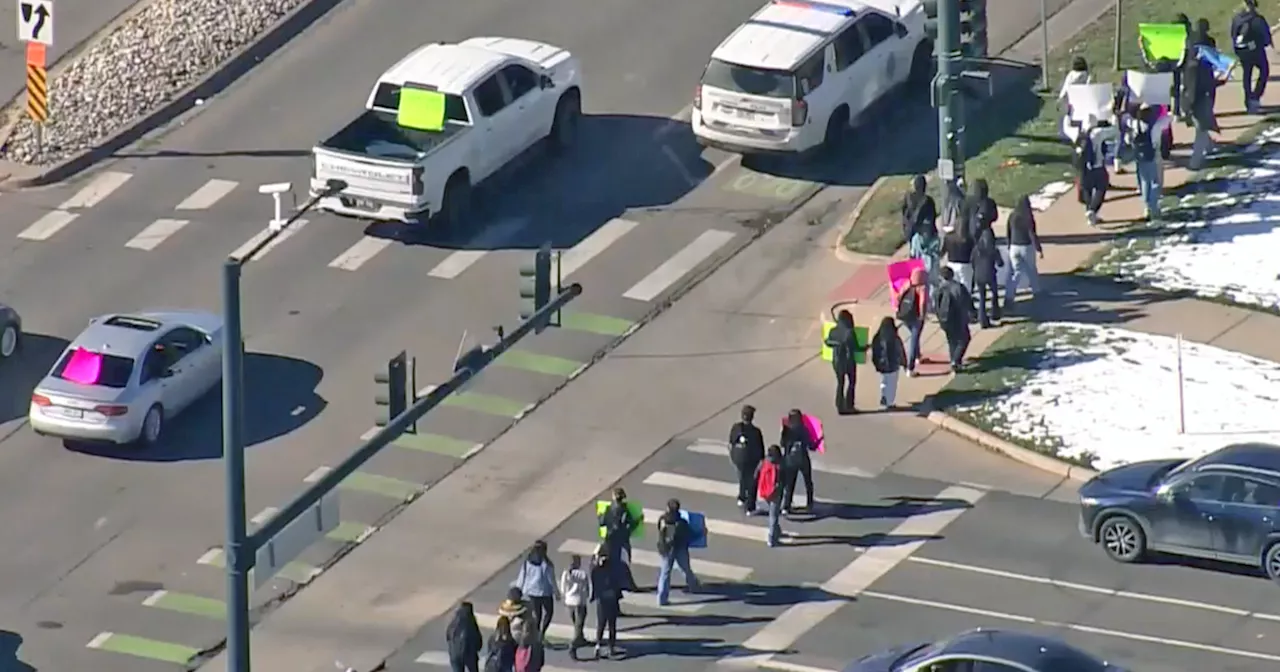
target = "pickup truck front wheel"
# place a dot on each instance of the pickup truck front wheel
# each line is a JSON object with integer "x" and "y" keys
{"x": 564, "y": 130}
{"x": 455, "y": 211}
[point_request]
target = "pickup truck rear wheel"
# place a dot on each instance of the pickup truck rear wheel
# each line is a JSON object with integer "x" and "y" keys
{"x": 564, "y": 130}
{"x": 455, "y": 211}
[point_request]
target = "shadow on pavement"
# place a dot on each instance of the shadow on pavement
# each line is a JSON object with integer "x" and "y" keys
{"x": 280, "y": 397}
{"x": 1105, "y": 301}
{"x": 890, "y": 507}
{"x": 10, "y": 642}
{"x": 618, "y": 162}
{"x": 182, "y": 154}
{"x": 21, "y": 374}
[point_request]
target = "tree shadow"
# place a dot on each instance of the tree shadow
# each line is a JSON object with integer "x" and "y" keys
{"x": 1080, "y": 298}
{"x": 280, "y": 397}
{"x": 10, "y": 642}
{"x": 20, "y": 375}
{"x": 646, "y": 162}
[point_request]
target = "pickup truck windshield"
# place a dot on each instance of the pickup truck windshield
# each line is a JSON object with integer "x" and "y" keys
{"x": 387, "y": 99}
{"x": 751, "y": 81}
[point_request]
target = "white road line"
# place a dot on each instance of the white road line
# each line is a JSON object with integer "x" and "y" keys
{"x": 206, "y": 196}
{"x": 49, "y": 224}
{"x": 646, "y": 601}
{"x": 783, "y": 666}
{"x": 721, "y": 448}
{"x": 590, "y": 247}
{"x": 784, "y": 631}
{"x": 212, "y": 557}
{"x": 715, "y": 570}
{"x": 441, "y": 659}
{"x": 725, "y": 528}
{"x": 289, "y": 232}
{"x": 151, "y": 237}
{"x": 154, "y": 598}
{"x": 559, "y": 631}
{"x": 666, "y": 479}
{"x": 316, "y": 475}
{"x": 358, "y": 254}
{"x": 97, "y": 190}
{"x": 678, "y": 265}
{"x": 1088, "y": 629}
{"x": 495, "y": 236}
{"x": 99, "y": 640}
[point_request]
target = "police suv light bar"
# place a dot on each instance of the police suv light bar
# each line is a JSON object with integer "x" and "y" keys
{"x": 816, "y": 6}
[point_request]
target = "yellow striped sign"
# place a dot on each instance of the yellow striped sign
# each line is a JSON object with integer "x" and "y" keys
{"x": 37, "y": 93}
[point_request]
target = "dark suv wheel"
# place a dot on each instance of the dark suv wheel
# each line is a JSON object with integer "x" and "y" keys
{"x": 1122, "y": 539}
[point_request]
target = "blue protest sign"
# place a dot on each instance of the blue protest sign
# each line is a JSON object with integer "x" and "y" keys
{"x": 697, "y": 527}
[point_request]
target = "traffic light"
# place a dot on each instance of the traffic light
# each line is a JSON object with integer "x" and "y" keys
{"x": 973, "y": 28}
{"x": 535, "y": 283}
{"x": 397, "y": 395}
{"x": 931, "y": 20}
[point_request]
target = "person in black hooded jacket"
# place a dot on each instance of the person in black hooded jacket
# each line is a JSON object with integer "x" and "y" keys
{"x": 1250, "y": 37}
{"x": 746, "y": 449}
{"x": 843, "y": 341}
{"x": 888, "y": 356}
{"x": 979, "y": 210}
{"x": 464, "y": 639}
{"x": 919, "y": 211}
{"x": 986, "y": 259}
{"x": 796, "y": 445}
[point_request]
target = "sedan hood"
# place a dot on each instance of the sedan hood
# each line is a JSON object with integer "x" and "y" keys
{"x": 1136, "y": 477}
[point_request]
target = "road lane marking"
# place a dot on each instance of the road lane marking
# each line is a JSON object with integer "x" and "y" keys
{"x": 590, "y": 247}
{"x": 869, "y": 567}
{"x": 564, "y": 633}
{"x": 142, "y": 647}
{"x": 604, "y": 325}
{"x": 151, "y": 237}
{"x": 724, "y": 528}
{"x": 666, "y": 479}
{"x": 346, "y": 531}
{"x": 678, "y": 265}
{"x": 721, "y": 449}
{"x": 298, "y": 572}
{"x": 441, "y": 659}
{"x": 96, "y": 191}
{"x": 356, "y": 255}
{"x": 187, "y": 604}
{"x": 715, "y": 570}
{"x": 487, "y": 403}
{"x": 1097, "y": 590}
{"x": 495, "y": 236}
{"x": 538, "y": 363}
{"x": 258, "y": 237}
{"x": 207, "y": 195}
{"x": 1088, "y": 629}
{"x": 373, "y": 484}
{"x": 50, "y": 223}
{"x": 645, "y": 601}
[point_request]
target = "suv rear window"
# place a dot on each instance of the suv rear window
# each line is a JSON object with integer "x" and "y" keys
{"x": 387, "y": 99}
{"x": 751, "y": 81}
{"x": 86, "y": 367}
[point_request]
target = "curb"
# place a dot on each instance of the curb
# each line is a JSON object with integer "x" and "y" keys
{"x": 842, "y": 253}
{"x": 1009, "y": 450}
{"x": 245, "y": 59}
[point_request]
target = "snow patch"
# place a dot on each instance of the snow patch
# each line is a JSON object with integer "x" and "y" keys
{"x": 1045, "y": 197}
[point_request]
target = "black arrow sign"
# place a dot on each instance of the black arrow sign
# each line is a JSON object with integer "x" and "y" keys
{"x": 42, "y": 14}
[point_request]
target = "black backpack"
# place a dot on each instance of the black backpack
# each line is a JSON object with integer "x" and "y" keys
{"x": 795, "y": 456}
{"x": 908, "y": 312}
{"x": 669, "y": 533}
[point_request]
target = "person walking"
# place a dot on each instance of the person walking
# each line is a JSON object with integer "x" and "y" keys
{"x": 769, "y": 485}
{"x": 531, "y": 655}
{"x": 1180, "y": 67}
{"x": 501, "y": 651}
{"x": 986, "y": 261}
{"x": 926, "y": 246}
{"x": 1199, "y": 86}
{"x": 674, "y": 536}
{"x": 1091, "y": 163}
{"x": 843, "y": 341}
{"x": 796, "y": 445}
{"x": 888, "y": 356}
{"x": 746, "y": 449}
{"x": 957, "y": 249}
{"x": 1147, "y": 129}
{"x": 515, "y": 609}
{"x": 575, "y": 587}
{"x": 619, "y": 525}
{"x": 464, "y": 639}
{"x": 1250, "y": 37}
{"x": 954, "y": 304}
{"x": 537, "y": 582}
{"x": 980, "y": 210}
{"x": 913, "y": 305}
{"x": 919, "y": 210}
{"x": 607, "y": 594}
{"x": 1024, "y": 249}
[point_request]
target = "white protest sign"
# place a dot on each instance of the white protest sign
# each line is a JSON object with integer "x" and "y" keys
{"x": 1152, "y": 88}
{"x": 1090, "y": 100}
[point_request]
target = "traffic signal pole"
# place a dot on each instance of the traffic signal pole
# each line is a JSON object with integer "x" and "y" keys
{"x": 947, "y": 93}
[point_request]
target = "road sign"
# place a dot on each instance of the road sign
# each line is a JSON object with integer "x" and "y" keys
{"x": 35, "y": 21}
{"x": 305, "y": 530}
{"x": 37, "y": 93}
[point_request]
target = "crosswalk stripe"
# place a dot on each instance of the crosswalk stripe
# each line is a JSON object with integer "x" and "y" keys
{"x": 560, "y": 631}
{"x": 678, "y": 265}
{"x": 441, "y": 659}
{"x": 258, "y": 237}
{"x": 717, "y": 570}
{"x": 151, "y": 237}
{"x": 97, "y": 190}
{"x": 356, "y": 255}
{"x": 207, "y": 195}
{"x": 721, "y": 448}
{"x": 591, "y": 246}
{"x": 49, "y": 224}
{"x": 495, "y": 236}
{"x": 724, "y": 528}
{"x": 666, "y": 479}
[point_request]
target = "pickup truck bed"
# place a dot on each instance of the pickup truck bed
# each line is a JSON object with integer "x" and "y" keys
{"x": 376, "y": 134}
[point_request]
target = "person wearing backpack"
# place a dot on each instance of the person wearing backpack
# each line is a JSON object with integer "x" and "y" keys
{"x": 769, "y": 485}
{"x": 913, "y": 304}
{"x": 1250, "y": 37}
{"x": 464, "y": 639}
{"x": 746, "y": 449}
{"x": 919, "y": 211}
{"x": 537, "y": 583}
{"x": 575, "y": 586}
{"x": 674, "y": 536}
{"x": 843, "y": 341}
{"x": 607, "y": 594}
{"x": 515, "y": 609}
{"x": 796, "y": 445}
{"x": 986, "y": 259}
{"x": 531, "y": 654}
{"x": 888, "y": 356}
{"x": 501, "y": 653}
{"x": 1147, "y": 128}
{"x": 954, "y": 304}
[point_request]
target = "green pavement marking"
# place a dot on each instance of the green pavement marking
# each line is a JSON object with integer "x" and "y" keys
{"x": 349, "y": 532}
{"x": 435, "y": 443}
{"x": 596, "y": 324}
{"x": 380, "y": 485}
{"x": 144, "y": 648}
{"x": 532, "y": 361}
{"x": 187, "y": 604}
{"x": 297, "y": 572}
{"x": 486, "y": 403}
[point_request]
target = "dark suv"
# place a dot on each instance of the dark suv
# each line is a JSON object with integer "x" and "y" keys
{"x": 1223, "y": 506}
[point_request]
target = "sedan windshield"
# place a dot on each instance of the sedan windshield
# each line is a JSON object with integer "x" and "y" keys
{"x": 752, "y": 81}
{"x": 85, "y": 367}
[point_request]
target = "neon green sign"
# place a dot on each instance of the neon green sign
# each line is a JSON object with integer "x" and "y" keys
{"x": 420, "y": 109}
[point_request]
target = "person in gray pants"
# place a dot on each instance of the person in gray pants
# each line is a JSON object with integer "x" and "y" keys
{"x": 1024, "y": 248}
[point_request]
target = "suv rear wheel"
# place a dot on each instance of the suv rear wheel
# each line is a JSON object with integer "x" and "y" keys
{"x": 1122, "y": 539}
{"x": 1271, "y": 561}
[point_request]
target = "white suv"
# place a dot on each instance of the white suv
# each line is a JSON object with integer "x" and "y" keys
{"x": 798, "y": 74}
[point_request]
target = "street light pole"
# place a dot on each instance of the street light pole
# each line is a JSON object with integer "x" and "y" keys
{"x": 950, "y": 114}
{"x": 1044, "y": 46}
{"x": 239, "y": 557}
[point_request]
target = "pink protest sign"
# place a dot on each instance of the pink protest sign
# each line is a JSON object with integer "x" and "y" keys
{"x": 899, "y": 273}
{"x": 814, "y": 426}
{"x": 84, "y": 367}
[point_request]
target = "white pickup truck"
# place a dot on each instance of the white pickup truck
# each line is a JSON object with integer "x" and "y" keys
{"x": 502, "y": 97}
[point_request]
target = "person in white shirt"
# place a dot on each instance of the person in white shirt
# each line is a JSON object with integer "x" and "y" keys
{"x": 1079, "y": 74}
{"x": 575, "y": 587}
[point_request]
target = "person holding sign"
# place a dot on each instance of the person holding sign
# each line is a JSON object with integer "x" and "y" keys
{"x": 618, "y": 521}
{"x": 843, "y": 341}
{"x": 1147, "y": 128}
{"x": 797, "y": 443}
{"x": 674, "y": 535}
{"x": 1250, "y": 37}
{"x": 1199, "y": 88}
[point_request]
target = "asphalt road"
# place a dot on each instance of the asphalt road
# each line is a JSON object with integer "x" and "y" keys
{"x": 116, "y": 545}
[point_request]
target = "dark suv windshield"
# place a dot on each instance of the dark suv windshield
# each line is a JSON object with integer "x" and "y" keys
{"x": 752, "y": 81}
